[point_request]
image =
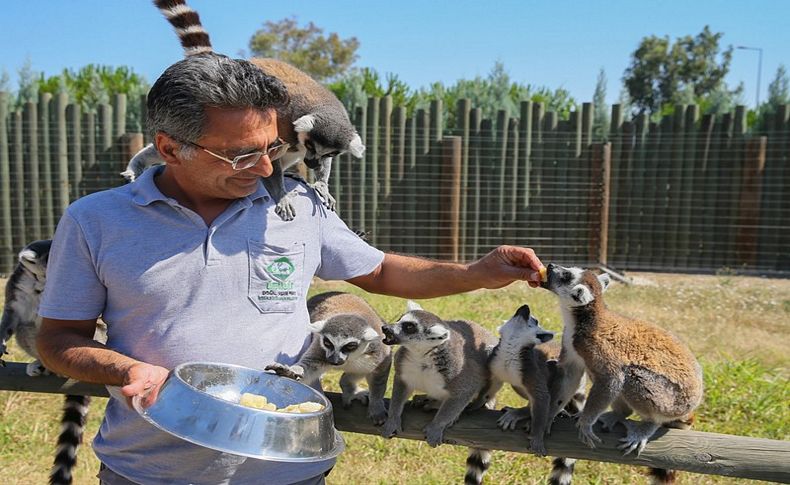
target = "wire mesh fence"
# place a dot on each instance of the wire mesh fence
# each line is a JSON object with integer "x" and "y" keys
{"x": 685, "y": 193}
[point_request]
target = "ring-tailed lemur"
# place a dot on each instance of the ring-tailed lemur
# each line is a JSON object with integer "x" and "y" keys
{"x": 517, "y": 361}
{"x": 635, "y": 366}
{"x": 20, "y": 318}
{"x": 526, "y": 359}
{"x": 448, "y": 360}
{"x": 346, "y": 337}
{"x": 314, "y": 123}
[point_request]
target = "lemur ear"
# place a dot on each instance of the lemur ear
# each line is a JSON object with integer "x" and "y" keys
{"x": 304, "y": 124}
{"x": 317, "y": 326}
{"x": 370, "y": 335}
{"x": 582, "y": 295}
{"x": 604, "y": 279}
{"x": 27, "y": 255}
{"x": 411, "y": 306}
{"x": 438, "y": 332}
{"x": 356, "y": 147}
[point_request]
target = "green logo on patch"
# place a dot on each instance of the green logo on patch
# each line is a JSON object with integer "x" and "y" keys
{"x": 281, "y": 268}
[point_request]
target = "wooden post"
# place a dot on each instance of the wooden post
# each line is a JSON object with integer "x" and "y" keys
{"x": 143, "y": 119}
{"x": 62, "y": 192}
{"x": 372, "y": 159}
{"x": 6, "y": 241}
{"x": 34, "y": 192}
{"x": 360, "y": 187}
{"x": 410, "y": 188}
{"x": 600, "y": 168}
{"x": 105, "y": 141}
{"x": 90, "y": 177}
{"x": 692, "y": 451}
{"x": 119, "y": 108}
{"x": 511, "y": 185}
{"x": 434, "y": 163}
{"x": 74, "y": 117}
{"x": 385, "y": 172}
{"x": 398, "y": 196}
{"x": 475, "y": 174}
{"x": 749, "y": 203}
{"x": 450, "y": 198}
{"x": 48, "y": 183}
{"x": 20, "y": 221}
{"x": 462, "y": 113}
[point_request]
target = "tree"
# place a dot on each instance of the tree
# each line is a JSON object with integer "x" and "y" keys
{"x": 28, "y": 84}
{"x": 355, "y": 87}
{"x": 601, "y": 109}
{"x": 690, "y": 70}
{"x": 322, "y": 56}
{"x": 779, "y": 88}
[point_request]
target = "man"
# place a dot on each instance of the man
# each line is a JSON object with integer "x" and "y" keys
{"x": 190, "y": 262}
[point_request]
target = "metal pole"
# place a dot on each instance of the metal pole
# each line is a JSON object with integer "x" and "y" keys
{"x": 759, "y": 69}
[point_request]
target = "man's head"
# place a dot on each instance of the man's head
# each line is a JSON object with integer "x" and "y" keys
{"x": 178, "y": 100}
{"x": 205, "y": 110}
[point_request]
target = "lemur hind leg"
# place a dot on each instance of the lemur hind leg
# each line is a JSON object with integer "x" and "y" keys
{"x": 349, "y": 384}
{"x": 321, "y": 185}
{"x": 603, "y": 392}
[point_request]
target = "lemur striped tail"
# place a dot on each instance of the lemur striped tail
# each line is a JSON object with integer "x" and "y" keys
{"x": 477, "y": 463}
{"x": 562, "y": 471}
{"x": 186, "y": 23}
{"x": 75, "y": 408}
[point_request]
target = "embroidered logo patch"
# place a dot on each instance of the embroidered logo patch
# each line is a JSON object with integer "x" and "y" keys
{"x": 280, "y": 270}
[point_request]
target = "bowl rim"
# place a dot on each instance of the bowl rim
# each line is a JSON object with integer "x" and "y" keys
{"x": 338, "y": 444}
{"x": 324, "y": 400}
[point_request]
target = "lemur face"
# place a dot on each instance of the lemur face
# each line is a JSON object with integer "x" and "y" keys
{"x": 524, "y": 330}
{"x": 35, "y": 256}
{"x": 343, "y": 337}
{"x": 416, "y": 329}
{"x": 323, "y": 143}
{"x": 575, "y": 286}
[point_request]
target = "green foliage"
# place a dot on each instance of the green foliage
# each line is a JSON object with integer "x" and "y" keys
{"x": 355, "y": 87}
{"x": 601, "y": 109}
{"x": 692, "y": 69}
{"x": 322, "y": 56}
{"x": 778, "y": 94}
{"x": 28, "y": 84}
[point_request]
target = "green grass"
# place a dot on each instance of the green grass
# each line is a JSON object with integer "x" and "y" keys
{"x": 739, "y": 328}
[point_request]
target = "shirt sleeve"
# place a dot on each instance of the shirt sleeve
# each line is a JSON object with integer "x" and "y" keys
{"x": 73, "y": 290}
{"x": 344, "y": 254}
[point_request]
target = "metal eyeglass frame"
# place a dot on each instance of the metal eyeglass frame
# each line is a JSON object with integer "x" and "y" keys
{"x": 274, "y": 152}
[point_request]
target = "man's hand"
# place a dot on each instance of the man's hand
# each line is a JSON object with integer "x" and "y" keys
{"x": 505, "y": 265}
{"x": 143, "y": 380}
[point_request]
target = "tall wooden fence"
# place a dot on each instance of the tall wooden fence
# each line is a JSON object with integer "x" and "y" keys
{"x": 689, "y": 193}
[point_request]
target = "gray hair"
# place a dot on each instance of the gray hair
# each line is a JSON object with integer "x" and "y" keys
{"x": 177, "y": 100}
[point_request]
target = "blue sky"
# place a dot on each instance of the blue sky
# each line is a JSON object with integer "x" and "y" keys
{"x": 550, "y": 43}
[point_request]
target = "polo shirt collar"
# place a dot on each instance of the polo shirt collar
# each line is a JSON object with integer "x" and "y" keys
{"x": 145, "y": 191}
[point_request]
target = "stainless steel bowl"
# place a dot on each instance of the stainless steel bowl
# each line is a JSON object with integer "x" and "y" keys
{"x": 199, "y": 402}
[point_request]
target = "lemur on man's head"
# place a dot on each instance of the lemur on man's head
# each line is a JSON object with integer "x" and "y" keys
{"x": 636, "y": 366}
{"x": 315, "y": 124}
{"x": 346, "y": 337}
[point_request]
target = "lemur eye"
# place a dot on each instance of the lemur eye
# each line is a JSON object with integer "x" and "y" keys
{"x": 409, "y": 327}
{"x": 350, "y": 347}
{"x": 328, "y": 344}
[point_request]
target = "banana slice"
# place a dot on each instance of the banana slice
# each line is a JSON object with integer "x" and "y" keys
{"x": 544, "y": 276}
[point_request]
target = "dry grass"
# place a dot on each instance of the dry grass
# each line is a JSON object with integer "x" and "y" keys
{"x": 738, "y": 326}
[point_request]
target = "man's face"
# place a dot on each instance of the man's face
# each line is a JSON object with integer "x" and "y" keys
{"x": 229, "y": 132}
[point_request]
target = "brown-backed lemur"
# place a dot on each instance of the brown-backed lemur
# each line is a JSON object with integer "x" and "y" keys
{"x": 635, "y": 366}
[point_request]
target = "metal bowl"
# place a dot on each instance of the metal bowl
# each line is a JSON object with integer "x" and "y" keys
{"x": 199, "y": 402}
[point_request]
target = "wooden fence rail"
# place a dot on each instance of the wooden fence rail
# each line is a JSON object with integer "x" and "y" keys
{"x": 692, "y": 451}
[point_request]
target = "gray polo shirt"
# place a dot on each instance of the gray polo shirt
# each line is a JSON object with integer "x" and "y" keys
{"x": 173, "y": 290}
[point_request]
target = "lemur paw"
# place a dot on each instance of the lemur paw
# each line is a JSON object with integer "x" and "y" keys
{"x": 361, "y": 397}
{"x": 632, "y": 442}
{"x": 284, "y": 208}
{"x": 323, "y": 191}
{"x": 511, "y": 417}
{"x": 586, "y": 434}
{"x": 36, "y": 368}
{"x": 537, "y": 446}
{"x": 295, "y": 372}
{"x": 434, "y": 435}
{"x": 377, "y": 412}
{"x": 391, "y": 427}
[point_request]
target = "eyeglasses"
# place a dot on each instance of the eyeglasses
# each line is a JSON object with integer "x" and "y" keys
{"x": 276, "y": 150}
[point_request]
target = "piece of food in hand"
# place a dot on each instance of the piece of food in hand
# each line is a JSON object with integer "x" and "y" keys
{"x": 543, "y": 274}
